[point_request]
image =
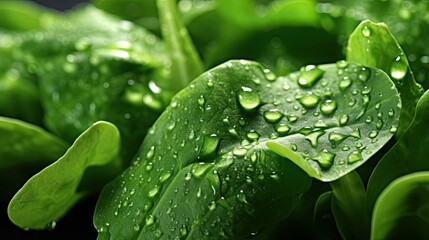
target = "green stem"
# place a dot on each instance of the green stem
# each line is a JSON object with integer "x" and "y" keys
{"x": 186, "y": 63}
{"x": 348, "y": 206}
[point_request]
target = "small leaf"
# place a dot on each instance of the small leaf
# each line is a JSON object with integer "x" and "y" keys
{"x": 48, "y": 195}
{"x": 26, "y": 144}
{"x": 402, "y": 209}
{"x": 364, "y": 48}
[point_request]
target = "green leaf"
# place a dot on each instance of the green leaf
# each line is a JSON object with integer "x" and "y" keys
{"x": 402, "y": 210}
{"x": 186, "y": 63}
{"x": 31, "y": 16}
{"x": 207, "y": 153}
{"x": 109, "y": 69}
{"x": 348, "y": 202}
{"x": 372, "y": 44}
{"x": 323, "y": 218}
{"x": 48, "y": 195}
{"x": 408, "y": 155}
{"x": 27, "y": 144}
{"x": 17, "y": 82}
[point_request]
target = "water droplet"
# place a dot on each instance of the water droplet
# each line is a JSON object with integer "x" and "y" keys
{"x": 191, "y": 135}
{"x": 328, "y": 107}
{"x": 336, "y": 138}
{"x": 309, "y": 75}
{"x": 352, "y": 102}
{"x": 171, "y": 125}
{"x": 325, "y": 159}
{"x": 321, "y": 124}
{"x": 365, "y": 103}
{"x": 188, "y": 176}
{"x": 252, "y": 135}
{"x": 201, "y": 100}
{"x": 183, "y": 231}
{"x": 342, "y": 64}
{"x": 368, "y": 119}
{"x": 356, "y": 133}
{"x": 248, "y": 99}
{"x": 393, "y": 129}
{"x": 150, "y": 153}
{"x": 399, "y": 68}
{"x": 313, "y": 137}
{"x": 272, "y": 116}
{"x": 164, "y": 177}
{"x": 239, "y": 152}
{"x": 364, "y": 74}
{"x": 282, "y": 129}
{"x": 149, "y": 166}
{"x": 292, "y": 118}
{"x": 379, "y": 124}
{"x": 346, "y": 148}
{"x": 345, "y": 83}
{"x": 366, "y": 31}
{"x": 199, "y": 169}
{"x": 210, "y": 83}
{"x": 366, "y": 90}
{"x": 153, "y": 192}
{"x": 391, "y": 112}
{"x": 309, "y": 100}
{"x": 210, "y": 145}
{"x": 136, "y": 227}
{"x": 150, "y": 220}
{"x": 294, "y": 147}
{"x": 344, "y": 119}
{"x": 354, "y": 157}
{"x": 373, "y": 134}
{"x": 269, "y": 75}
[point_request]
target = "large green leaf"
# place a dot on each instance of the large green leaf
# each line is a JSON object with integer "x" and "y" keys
{"x": 372, "y": 44}
{"x": 408, "y": 155}
{"x": 206, "y": 160}
{"x": 402, "y": 210}
{"x": 24, "y": 140}
{"x": 108, "y": 69}
{"x": 48, "y": 195}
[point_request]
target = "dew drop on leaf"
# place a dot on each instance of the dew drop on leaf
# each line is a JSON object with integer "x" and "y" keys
{"x": 282, "y": 129}
{"x": 354, "y": 156}
{"x": 309, "y": 100}
{"x": 272, "y": 116}
{"x": 199, "y": 169}
{"x": 366, "y": 31}
{"x": 328, "y": 107}
{"x": 239, "y": 152}
{"x": 342, "y": 64}
{"x": 309, "y": 75}
{"x": 325, "y": 159}
{"x": 399, "y": 68}
{"x": 210, "y": 145}
{"x": 345, "y": 83}
{"x": 252, "y": 135}
{"x": 248, "y": 99}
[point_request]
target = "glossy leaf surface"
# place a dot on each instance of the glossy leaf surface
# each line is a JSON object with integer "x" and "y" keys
{"x": 402, "y": 210}
{"x": 372, "y": 44}
{"x": 205, "y": 161}
{"x": 48, "y": 195}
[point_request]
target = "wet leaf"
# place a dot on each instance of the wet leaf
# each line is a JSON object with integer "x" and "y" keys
{"x": 206, "y": 162}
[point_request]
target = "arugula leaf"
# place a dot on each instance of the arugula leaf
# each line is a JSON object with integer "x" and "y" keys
{"x": 206, "y": 158}
{"x": 402, "y": 208}
{"x": 48, "y": 195}
{"x": 23, "y": 138}
{"x": 408, "y": 155}
{"x": 372, "y": 44}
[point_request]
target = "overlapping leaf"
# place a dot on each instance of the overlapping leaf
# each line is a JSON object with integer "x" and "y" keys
{"x": 206, "y": 161}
